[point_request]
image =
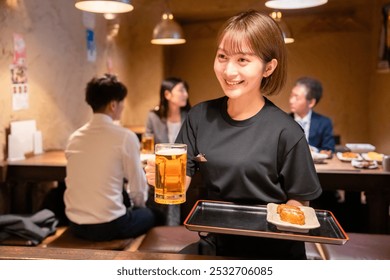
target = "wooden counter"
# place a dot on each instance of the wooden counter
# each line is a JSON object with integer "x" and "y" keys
{"x": 37, "y": 253}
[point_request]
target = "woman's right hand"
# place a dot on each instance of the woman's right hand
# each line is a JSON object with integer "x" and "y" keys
{"x": 150, "y": 171}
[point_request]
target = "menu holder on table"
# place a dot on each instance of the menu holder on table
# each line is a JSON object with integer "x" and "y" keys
{"x": 251, "y": 220}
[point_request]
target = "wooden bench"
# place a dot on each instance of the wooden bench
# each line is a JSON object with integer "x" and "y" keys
{"x": 360, "y": 246}
{"x": 167, "y": 239}
{"x": 68, "y": 240}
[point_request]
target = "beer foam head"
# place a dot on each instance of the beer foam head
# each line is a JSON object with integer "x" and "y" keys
{"x": 171, "y": 152}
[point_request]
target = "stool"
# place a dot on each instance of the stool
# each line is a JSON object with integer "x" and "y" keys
{"x": 167, "y": 239}
{"x": 68, "y": 240}
{"x": 361, "y": 246}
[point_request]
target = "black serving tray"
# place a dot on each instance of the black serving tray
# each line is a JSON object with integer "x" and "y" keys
{"x": 251, "y": 220}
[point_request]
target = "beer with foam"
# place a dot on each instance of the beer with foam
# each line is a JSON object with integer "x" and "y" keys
{"x": 147, "y": 143}
{"x": 171, "y": 162}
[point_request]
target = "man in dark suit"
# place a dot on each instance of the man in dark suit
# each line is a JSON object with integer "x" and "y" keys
{"x": 305, "y": 95}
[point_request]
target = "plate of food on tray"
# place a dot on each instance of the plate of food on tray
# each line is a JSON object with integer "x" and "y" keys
{"x": 292, "y": 218}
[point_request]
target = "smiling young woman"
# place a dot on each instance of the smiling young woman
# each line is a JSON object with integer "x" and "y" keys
{"x": 256, "y": 153}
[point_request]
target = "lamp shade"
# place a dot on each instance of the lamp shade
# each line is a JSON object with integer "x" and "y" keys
{"x": 286, "y": 32}
{"x": 104, "y": 6}
{"x": 287, "y": 35}
{"x": 168, "y": 32}
{"x": 294, "y": 4}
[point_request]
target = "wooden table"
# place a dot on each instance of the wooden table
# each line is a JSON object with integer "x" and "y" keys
{"x": 21, "y": 175}
{"x": 333, "y": 175}
{"x": 338, "y": 175}
{"x": 49, "y": 166}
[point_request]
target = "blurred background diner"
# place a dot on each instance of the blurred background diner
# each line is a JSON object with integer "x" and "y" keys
{"x": 163, "y": 123}
{"x": 56, "y": 48}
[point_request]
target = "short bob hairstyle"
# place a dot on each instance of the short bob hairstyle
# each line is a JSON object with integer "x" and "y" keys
{"x": 101, "y": 91}
{"x": 263, "y": 36}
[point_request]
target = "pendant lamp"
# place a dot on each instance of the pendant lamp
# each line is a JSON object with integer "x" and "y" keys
{"x": 294, "y": 4}
{"x": 104, "y": 6}
{"x": 287, "y": 35}
{"x": 168, "y": 32}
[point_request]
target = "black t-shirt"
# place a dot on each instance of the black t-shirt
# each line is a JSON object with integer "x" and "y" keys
{"x": 263, "y": 159}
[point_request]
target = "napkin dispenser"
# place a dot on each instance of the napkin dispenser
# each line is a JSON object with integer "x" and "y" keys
{"x": 24, "y": 138}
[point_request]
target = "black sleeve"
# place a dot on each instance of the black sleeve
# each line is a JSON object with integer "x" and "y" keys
{"x": 298, "y": 175}
{"x": 187, "y": 135}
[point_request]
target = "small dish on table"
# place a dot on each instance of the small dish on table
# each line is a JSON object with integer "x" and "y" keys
{"x": 364, "y": 164}
{"x": 348, "y": 156}
{"x": 319, "y": 157}
{"x": 373, "y": 156}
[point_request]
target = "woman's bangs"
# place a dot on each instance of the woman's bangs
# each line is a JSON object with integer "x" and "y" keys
{"x": 235, "y": 42}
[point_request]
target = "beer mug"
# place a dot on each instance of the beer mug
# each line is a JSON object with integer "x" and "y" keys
{"x": 147, "y": 143}
{"x": 171, "y": 162}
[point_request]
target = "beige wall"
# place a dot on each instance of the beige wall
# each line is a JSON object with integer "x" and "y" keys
{"x": 341, "y": 52}
{"x": 343, "y": 58}
{"x": 58, "y": 69}
{"x": 56, "y": 63}
{"x": 378, "y": 94}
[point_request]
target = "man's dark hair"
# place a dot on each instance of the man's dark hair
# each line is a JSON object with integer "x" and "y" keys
{"x": 314, "y": 88}
{"x": 101, "y": 91}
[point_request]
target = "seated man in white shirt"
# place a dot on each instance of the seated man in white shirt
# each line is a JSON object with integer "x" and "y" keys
{"x": 101, "y": 156}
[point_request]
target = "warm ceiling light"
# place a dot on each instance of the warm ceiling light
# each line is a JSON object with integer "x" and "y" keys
{"x": 105, "y": 6}
{"x": 168, "y": 32}
{"x": 287, "y": 35}
{"x": 109, "y": 16}
{"x": 294, "y": 4}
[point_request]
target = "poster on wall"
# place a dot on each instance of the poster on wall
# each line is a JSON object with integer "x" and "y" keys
{"x": 18, "y": 71}
{"x": 91, "y": 46}
{"x": 89, "y": 24}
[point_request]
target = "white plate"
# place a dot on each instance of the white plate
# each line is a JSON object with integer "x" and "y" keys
{"x": 360, "y": 147}
{"x": 360, "y": 164}
{"x": 365, "y": 156}
{"x": 311, "y": 220}
{"x": 318, "y": 157}
{"x": 340, "y": 157}
{"x": 313, "y": 149}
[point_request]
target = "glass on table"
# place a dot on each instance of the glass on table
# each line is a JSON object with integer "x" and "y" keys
{"x": 147, "y": 143}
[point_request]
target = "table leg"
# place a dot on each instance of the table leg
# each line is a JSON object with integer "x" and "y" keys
{"x": 378, "y": 212}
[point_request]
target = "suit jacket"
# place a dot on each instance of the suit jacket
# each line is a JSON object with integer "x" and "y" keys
{"x": 159, "y": 126}
{"x": 321, "y": 132}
